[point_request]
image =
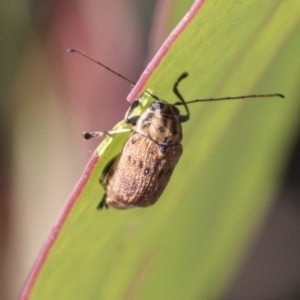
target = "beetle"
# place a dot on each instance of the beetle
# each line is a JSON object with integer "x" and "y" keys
{"x": 139, "y": 174}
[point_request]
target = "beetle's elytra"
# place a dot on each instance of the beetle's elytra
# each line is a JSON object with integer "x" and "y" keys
{"x": 138, "y": 176}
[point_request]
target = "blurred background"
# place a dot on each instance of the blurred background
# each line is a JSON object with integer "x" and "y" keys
{"x": 49, "y": 97}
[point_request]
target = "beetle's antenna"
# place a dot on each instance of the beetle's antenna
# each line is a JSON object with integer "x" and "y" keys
{"x": 232, "y": 98}
{"x": 101, "y": 64}
{"x": 107, "y": 68}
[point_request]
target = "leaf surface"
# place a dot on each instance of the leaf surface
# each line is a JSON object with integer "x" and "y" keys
{"x": 189, "y": 244}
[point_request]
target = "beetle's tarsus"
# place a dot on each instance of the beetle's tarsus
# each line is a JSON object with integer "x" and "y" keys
{"x": 102, "y": 203}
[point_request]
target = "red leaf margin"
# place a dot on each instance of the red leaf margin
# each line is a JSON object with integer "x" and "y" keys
{"x": 135, "y": 92}
{"x": 56, "y": 228}
{"x": 154, "y": 63}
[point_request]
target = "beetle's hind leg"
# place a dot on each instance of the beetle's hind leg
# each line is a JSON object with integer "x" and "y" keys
{"x": 103, "y": 203}
{"x": 108, "y": 170}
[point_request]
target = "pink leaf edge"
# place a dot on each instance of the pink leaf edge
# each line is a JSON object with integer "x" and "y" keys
{"x": 136, "y": 91}
{"x": 94, "y": 159}
{"x": 56, "y": 228}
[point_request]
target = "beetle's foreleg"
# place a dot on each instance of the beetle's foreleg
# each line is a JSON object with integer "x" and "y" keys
{"x": 134, "y": 104}
{"x": 133, "y": 119}
{"x": 98, "y": 134}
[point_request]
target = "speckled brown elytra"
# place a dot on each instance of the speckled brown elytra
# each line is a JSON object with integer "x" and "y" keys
{"x": 139, "y": 175}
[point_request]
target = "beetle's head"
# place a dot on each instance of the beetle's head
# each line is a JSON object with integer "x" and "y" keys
{"x": 164, "y": 108}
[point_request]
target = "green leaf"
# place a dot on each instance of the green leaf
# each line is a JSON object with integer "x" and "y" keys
{"x": 189, "y": 244}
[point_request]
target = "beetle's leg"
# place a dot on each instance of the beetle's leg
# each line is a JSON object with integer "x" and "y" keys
{"x": 135, "y": 104}
{"x": 103, "y": 181}
{"x": 97, "y": 134}
{"x": 105, "y": 172}
{"x": 133, "y": 119}
{"x": 186, "y": 117}
{"x": 102, "y": 203}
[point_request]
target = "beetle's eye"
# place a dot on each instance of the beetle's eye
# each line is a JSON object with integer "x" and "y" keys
{"x": 157, "y": 105}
